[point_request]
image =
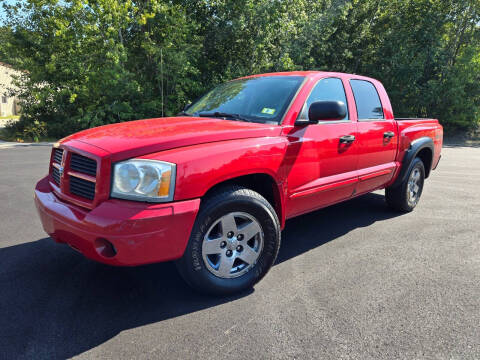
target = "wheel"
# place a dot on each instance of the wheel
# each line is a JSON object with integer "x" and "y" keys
{"x": 233, "y": 244}
{"x": 405, "y": 196}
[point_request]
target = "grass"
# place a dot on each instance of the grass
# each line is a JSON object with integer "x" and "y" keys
{"x": 10, "y": 134}
{"x": 4, "y": 120}
{"x": 10, "y": 117}
{"x": 7, "y": 136}
{"x": 4, "y": 136}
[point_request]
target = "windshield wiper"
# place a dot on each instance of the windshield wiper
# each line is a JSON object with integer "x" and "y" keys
{"x": 224, "y": 115}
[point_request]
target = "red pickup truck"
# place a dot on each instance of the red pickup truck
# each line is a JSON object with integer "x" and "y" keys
{"x": 212, "y": 187}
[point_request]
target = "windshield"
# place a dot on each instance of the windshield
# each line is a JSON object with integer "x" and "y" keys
{"x": 262, "y": 99}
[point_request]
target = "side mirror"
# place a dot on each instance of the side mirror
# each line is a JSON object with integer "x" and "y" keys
{"x": 326, "y": 110}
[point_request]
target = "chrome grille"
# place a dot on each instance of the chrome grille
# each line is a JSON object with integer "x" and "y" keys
{"x": 81, "y": 187}
{"x": 57, "y": 156}
{"x": 83, "y": 164}
{"x": 56, "y": 175}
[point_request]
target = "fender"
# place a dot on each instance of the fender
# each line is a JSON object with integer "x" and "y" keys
{"x": 415, "y": 147}
{"x": 202, "y": 167}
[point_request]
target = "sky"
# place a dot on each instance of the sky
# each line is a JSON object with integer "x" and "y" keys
{"x": 2, "y": 12}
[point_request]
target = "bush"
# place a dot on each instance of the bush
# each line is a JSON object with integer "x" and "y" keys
{"x": 25, "y": 131}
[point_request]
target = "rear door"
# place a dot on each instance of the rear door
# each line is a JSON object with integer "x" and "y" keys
{"x": 324, "y": 168}
{"x": 376, "y": 135}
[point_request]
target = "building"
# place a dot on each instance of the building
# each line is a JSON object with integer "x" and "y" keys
{"x": 8, "y": 104}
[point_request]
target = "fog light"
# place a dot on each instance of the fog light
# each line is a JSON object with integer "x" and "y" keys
{"x": 105, "y": 248}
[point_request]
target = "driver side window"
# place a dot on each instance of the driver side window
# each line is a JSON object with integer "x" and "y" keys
{"x": 329, "y": 89}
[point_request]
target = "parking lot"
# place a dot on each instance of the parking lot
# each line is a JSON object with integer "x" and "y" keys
{"x": 355, "y": 280}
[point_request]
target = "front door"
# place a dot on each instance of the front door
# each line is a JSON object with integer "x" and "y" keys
{"x": 324, "y": 163}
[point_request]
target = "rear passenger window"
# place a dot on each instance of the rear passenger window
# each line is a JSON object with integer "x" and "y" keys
{"x": 367, "y": 100}
{"x": 329, "y": 89}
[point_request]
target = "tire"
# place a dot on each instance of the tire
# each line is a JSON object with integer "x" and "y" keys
{"x": 405, "y": 196}
{"x": 206, "y": 265}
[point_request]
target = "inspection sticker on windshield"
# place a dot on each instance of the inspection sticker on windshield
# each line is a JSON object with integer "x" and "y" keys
{"x": 268, "y": 111}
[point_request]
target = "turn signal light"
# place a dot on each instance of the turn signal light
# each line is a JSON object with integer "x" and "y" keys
{"x": 164, "y": 188}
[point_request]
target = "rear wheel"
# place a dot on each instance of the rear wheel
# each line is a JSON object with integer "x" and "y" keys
{"x": 405, "y": 196}
{"x": 234, "y": 242}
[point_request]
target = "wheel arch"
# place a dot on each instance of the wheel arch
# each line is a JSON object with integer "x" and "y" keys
{"x": 262, "y": 183}
{"x": 426, "y": 155}
{"x": 422, "y": 148}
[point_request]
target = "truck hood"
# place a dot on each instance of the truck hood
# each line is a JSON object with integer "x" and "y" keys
{"x": 141, "y": 137}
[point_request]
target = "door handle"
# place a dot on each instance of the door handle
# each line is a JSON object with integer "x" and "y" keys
{"x": 347, "y": 139}
{"x": 388, "y": 134}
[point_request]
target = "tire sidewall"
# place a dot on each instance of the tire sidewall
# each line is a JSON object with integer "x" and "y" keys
{"x": 416, "y": 164}
{"x": 198, "y": 274}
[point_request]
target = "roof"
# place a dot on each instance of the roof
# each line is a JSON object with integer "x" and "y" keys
{"x": 311, "y": 74}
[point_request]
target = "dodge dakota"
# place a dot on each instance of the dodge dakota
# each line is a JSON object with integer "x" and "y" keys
{"x": 212, "y": 187}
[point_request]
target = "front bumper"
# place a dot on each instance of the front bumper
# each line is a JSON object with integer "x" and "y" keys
{"x": 141, "y": 233}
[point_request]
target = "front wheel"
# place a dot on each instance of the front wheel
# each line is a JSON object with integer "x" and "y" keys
{"x": 405, "y": 196}
{"x": 233, "y": 244}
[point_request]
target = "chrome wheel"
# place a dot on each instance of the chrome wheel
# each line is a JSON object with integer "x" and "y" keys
{"x": 414, "y": 187}
{"x": 232, "y": 245}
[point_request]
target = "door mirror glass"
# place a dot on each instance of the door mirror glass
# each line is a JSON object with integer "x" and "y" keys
{"x": 326, "y": 111}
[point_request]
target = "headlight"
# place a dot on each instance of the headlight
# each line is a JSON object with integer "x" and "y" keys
{"x": 144, "y": 180}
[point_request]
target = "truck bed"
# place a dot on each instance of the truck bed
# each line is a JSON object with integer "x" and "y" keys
{"x": 411, "y": 129}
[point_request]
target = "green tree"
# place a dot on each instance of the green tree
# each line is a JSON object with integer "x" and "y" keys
{"x": 93, "y": 62}
{"x": 96, "y": 62}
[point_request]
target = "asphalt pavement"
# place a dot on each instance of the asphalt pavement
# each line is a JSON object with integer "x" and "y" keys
{"x": 353, "y": 281}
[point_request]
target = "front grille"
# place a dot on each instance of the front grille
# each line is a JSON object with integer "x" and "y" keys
{"x": 83, "y": 165}
{"x": 81, "y": 187}
{"x": 56, "y": 175}
{"x": 57, "y": 156}
{"x": 76, "y": 168}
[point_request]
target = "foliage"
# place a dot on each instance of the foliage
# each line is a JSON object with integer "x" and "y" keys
{"x": 34, "y": 131}
{"x": 93, "y": 62}
{"x": 21, "y": 130}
